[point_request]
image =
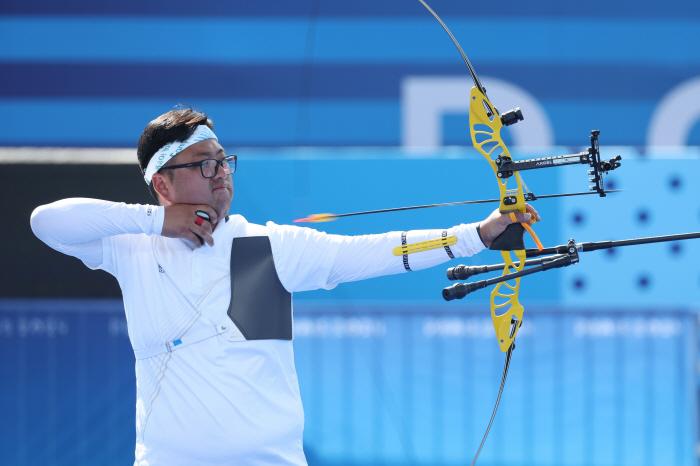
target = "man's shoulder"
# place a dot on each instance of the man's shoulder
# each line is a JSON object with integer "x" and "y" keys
{"x": 242, "y": 227}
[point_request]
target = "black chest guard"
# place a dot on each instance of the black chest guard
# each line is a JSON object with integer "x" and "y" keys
{"x": 260, "y": 306}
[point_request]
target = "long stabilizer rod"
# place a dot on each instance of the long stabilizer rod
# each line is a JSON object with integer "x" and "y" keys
{"x": 565, "y": 255}
{"x": 595, "y": 246}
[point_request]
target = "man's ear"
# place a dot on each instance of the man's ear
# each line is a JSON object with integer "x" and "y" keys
{"x": 163, "y": 186}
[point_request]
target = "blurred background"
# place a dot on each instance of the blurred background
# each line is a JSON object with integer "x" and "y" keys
{"x": 348, "y": 106}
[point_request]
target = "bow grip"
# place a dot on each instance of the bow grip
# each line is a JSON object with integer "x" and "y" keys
{"x": 512, "y": 239}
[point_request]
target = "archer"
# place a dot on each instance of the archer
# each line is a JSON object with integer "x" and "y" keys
{"x": 208, "y": 295}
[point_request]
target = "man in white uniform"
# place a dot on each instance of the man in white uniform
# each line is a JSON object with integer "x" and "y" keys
{"x": 206, "y": 395}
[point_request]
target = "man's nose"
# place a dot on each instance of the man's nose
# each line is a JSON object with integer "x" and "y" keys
{"x": 220, "y": 172}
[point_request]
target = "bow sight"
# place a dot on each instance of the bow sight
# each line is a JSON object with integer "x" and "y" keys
{"x": 507, "y": 166}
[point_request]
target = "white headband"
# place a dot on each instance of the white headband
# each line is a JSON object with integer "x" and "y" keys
{"x": 171, "y": 149}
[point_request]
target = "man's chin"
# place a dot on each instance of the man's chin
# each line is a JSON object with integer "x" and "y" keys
{"x": 223, "y": 205}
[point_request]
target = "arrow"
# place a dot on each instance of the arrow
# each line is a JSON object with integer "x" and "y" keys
{"x": 318, "y": 218}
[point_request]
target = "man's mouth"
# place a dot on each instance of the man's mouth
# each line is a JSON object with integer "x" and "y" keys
{"x": 222, "y": 186}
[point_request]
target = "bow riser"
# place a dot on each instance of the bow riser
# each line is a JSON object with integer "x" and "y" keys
{"x": 485, "y": 126}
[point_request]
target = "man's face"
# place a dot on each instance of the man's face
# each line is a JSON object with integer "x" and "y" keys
{"x": 190, "y": 187}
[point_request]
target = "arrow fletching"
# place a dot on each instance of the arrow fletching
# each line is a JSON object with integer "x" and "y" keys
{"x": 317, "y": 218}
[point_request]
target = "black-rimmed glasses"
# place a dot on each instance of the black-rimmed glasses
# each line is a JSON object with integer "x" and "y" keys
{"x": 210, "y": 167}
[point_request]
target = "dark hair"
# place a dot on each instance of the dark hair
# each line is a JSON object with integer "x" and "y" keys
{"x": 176, "y": 125}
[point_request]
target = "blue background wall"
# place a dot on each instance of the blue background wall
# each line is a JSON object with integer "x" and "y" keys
{"x": 308, "y": 94}
{"x": 380, "y": 385}
{"x": 329, "y": 73}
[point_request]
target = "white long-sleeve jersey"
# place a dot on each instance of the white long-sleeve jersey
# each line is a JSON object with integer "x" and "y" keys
{"x": 223, "y": 400}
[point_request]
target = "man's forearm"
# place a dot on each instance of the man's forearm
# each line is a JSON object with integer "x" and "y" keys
{"x": 368, "y": 256}
{"x": 75, "y": 226}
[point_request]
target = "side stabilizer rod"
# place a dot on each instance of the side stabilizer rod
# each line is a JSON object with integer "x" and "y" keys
{"x": 460, "y": 290}
{"x": 462, "y": 272}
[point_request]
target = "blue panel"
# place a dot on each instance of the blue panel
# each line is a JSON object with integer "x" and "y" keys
{"x": 119, "y": 122}
{"x": 362, "y": 8}
{"x": 252, "y": 40}
{"x": 151, "y": 40}
{"x": 694, "y": 136}
{"x": 652, "y": 204}
{"x": 605, "y": 64}
{"x": 620, "y": 122}
{"x": 326, "y": 81}
{"x": 68, "y": 384}
{"x": 87, "y": 122}
{"x": 381, "y": 385}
